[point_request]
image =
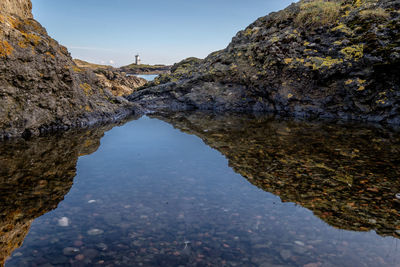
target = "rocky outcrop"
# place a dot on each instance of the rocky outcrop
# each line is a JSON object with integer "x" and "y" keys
{"x": 20, "y": 8}
{"x": 35, "y": 175}
{"x": 335, "y": 59}
{"x": 347, "y": 175}
{"x": 41, "y": 88}
{"x": 117, "y": 82}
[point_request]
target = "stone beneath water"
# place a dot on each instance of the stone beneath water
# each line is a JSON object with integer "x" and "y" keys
{"x": 95, "y": 231}
{"x": 63, "y": 222}
{"x": 69, "y": 251}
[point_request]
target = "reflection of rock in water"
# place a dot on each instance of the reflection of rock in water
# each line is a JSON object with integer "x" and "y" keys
{"x": 347, "y": 175}
{"x": 35, "y": 176}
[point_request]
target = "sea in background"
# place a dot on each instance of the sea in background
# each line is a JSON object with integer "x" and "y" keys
{"x": 148, "y": 77}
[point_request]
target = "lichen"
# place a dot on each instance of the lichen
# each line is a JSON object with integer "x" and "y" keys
{"x": 274, "y": 39}
{"x": 349, "y": 81}
{"x": 5, "y": 49}
{"x": 32, "y": 38}
{"x": 50, "y": 55}
{"x": 288, "y": 60}
{"x": 76, "y": 69}
{"x": 319, "y": 62}
{"x": 343, "y": 28}
{"x": 86, "y": 88}
{"x": 354, "y": 52}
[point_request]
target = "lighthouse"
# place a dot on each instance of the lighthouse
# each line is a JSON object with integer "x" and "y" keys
{"x": 137, "y": 60}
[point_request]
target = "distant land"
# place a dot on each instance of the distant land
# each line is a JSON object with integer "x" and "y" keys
{"x": 130, "y": 69}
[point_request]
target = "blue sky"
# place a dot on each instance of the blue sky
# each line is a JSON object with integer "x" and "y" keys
{"x": 161, "y": 31}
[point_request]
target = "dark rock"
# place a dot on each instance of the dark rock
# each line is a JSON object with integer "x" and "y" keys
{"x": 41, "y": 88}
{"x": 288, "y": 64}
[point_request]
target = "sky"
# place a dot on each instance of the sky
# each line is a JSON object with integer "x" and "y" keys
{"x": 161, "y": 31}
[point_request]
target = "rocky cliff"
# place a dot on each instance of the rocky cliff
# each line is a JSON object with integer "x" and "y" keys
{"x": 41, "y": 88}
{"x": 336, "y": 59}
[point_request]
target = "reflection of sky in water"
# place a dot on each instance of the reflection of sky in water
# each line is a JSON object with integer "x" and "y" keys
{"x": 155, "y": 189}
{"x": 149, "y": 77}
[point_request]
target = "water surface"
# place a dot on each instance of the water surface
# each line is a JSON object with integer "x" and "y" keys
{"x": 148, "y": 77}
{"x": 197, "y": 189}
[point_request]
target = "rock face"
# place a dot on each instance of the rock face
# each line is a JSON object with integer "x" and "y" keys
{"x": 347, "y": 175}
{"x": 41, "y": 88}
{"x": 117, "y": 82}
{"x": 336, "y": 59}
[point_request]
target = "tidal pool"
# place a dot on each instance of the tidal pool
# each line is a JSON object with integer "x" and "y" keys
{"x": 199, "y": 189}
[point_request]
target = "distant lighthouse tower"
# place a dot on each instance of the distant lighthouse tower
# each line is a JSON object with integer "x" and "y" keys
{"x": 137, "y": 60}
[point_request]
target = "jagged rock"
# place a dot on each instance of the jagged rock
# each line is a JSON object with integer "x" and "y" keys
{"x": 335, "y": 59}
{"x": 41, "y": 88}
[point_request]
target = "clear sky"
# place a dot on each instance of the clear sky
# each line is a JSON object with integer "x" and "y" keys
{"x": 161, "y": 31}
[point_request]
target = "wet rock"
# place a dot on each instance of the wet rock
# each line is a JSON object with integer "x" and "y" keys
{"x": 285, "y": 254}
{"x": 79, "y": 257}
{"x": 95, "y": 231}
{"x": 90, "y": 253}
{"x": 63, "y": 222}
{"x": 69, "y": 251}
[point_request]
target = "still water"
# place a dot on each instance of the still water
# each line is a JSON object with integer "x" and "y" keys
{"x": 197, "y": 189}
{"x": 148, "y": 77}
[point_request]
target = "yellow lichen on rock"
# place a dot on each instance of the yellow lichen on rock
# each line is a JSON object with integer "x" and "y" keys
{"x": 76, "y": 69}
{"x": 353, "y": 52}
{"x": 319, "y": 62}
{"x": 349, "y": 81}
{"x": 343, "y": 28}
{"x": 5, "y": 49}
{"x": 50, "y": 54}
{"x": 288, "y": 60}
{"x": 86, "y": 88}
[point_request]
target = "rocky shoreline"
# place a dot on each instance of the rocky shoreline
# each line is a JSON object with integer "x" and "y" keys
{"x": 344, "y": 66}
